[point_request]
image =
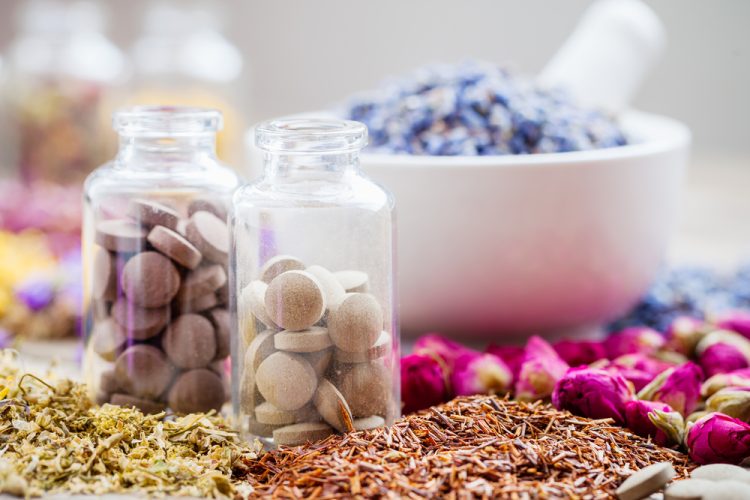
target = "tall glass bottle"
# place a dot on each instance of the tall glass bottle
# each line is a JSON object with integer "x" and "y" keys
{"x": 316, "y": 345}
{"x": 155, "y": 253}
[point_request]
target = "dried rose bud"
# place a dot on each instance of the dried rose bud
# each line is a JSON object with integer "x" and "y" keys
{"x": 638, "y": 369}
{"x": 512, "y": 355}
{"x": 593, "y": 393}
{"x": 637, "y": 378}
{"x": 480, "y": 373}
{"x": 679, "y": 387}
{"x": 633, "y": 340}
{"x": 742, "y": 344}
{"x": 438, "y": 346}
{"x": 684, "y": 333}
{"x": 423, "y": 383}
{"x": 695, "y": 416}
{"x": 580, "y": 352}
{"x": 638, "y": 418}
{"x": 736, "y": 321}
{"x": 737, "y": 378}
{"x": 540, "y": 370}
{"x": 718, "y": 438}
{"x": 722, "y": 358}
{"x": 732, "y": 401}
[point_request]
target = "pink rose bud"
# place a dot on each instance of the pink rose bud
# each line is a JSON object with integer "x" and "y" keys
{"x": 633, "y": 340}
{"x": 684, "y": 333}
{"x": 593, "y": 393}
{"x": 512, "y": 355}
{"x": 740, "y": 343}
{"x": 423, "y": 383}
{"x": 639, "y": 415}
{"x": 540, "y": 370}
{"x": 737, "y": 378}
{"x": 637, "y": 368}
{"x": 477, "y": 373}
{"x": 679, "y": 387}
{"x": 440, "y": 347}
{"x": 736, "y": 321}
{"x": 580, "y": 352}
{"x": 732, "y": 401}
{"x": 718, "y": 438}
{"x": 722, "y": 358}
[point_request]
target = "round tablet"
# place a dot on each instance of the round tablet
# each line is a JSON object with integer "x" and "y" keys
{"x": 279, "y": 264}
{"x": 367, "y": 388}
{"x": 320, "y": 360}
{"x": 252, "y": 301}
{"x": 190, "y": 341}
{"x": 152, "y": 213}
{"x": 296, "y": 434}
{"x": 222, "y": 329}
{"x": 313, "y": 339}
{"x": 108, "y": 382}
{"x": 146, "y": 406}
{"x": 202, "y": 281}
{"x": 380, "y": 349}
{"x": 108, "y": 339}
{"x": 688, "y": 489}
{"x": 137, "y": 322}
{"x": 353, "y": 281}
{"x": 143, "y": 371}
{"x": 199, "y": 304}
{"x": 222, "y": 295}
{"x": 333, "y": 407}
{"x": 104, "y": 285}
{"x": 727, "y": 490}
{"x": 356, "y": 322}
{"x": 266, "y": 413}
{"x": 367, "y": 423}
{"x": 261, "y": 430}
{"x": 259, "y": 349}
{"x": 286, "y": 380}
{"x": 646, "y": 481}
{"x": 719, "y": 472}
{"x": 120, "y": 236}
{"x": 212, "y": 205}
{"x": 175, "y": 246}
{"x": 332, "y": 289}
{"x": 210, "y": 235}
{"x": 294, "y": 300}
{"x": 149, "y": 279}
{"x": 196, "y": 391}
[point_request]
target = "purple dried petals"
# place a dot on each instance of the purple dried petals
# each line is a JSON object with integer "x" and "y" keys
{"x": 540, "y": 370}
{"x": 632, "y": 340}
{"x": 593, "y": 393}
{"x": 423, "y": 383}
{"x": 580, "y": 352}
{"x": 512, "y": 356}
{"x": 722, "y": 358}
{"x": 679, "y": 387}
{"x": 718, "y": 438}
{"x": 480, "y": 373}
{"x": 446, "y": 350}
{"x": 666, "y": 427}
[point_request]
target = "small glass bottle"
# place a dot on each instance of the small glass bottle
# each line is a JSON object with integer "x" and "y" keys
{"x": 316, "y": 347}
{"x": 155, "y": 253}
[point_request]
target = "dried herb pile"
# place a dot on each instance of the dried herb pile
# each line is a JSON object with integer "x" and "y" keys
{"x": 480, "y": 446}
{"x": 52, "y": 439}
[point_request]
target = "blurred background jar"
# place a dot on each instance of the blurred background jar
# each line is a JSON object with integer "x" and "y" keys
{"x": 181, "y": 57}
{"x": 155, "y": 250}
{"x": 317, "y": 344}
{"x": 60, "y": 79}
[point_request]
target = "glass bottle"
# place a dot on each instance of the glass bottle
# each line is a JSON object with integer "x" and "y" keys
{"x": 155, "y": 252}
{"x": 316, "y": 344}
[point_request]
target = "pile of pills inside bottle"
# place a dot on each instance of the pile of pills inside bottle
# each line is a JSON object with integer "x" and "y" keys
{"x": 159, "y": 299}
{"x": 316, "y": 355}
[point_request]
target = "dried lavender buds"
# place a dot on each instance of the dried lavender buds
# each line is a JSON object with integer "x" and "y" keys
{"x": 481, "y": 446}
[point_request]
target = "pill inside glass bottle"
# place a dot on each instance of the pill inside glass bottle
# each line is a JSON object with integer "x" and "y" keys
{"x": 316, "y": 347}
{"x": 155, "y": 255}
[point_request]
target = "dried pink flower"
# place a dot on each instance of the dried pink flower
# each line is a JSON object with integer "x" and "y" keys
{"x": 684, "y": 333}
{"x": 640, "y": 417}
{"x": 736, "y": 321}
{"x": 441, "y": 347}
{"x": 512, "y": 355}
{"x": 593, "y": 393}
{"x": 722, "y": 357}
{"x": 580, "y": 352}
{"x": 679, "y": 387}
{"x": 480, "y": 373}
{"x": 423, "y": 383}
{"x": 633, "y": 340}
{"x": 718, "y": 438}
{"x": 540, "y": 370}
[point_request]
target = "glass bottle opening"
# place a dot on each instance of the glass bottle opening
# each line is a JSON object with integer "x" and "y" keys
{"x": 310, "y": 135}
{"x": 166, "y": 121}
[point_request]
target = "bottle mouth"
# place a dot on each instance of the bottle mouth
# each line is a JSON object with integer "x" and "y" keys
{"x": 310, "y": 135}
{"x": 166, "y": 121}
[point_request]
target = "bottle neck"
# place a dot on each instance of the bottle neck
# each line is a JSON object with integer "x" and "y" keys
{"x": 320, "y": 165}
{"x": 148, "y": 151}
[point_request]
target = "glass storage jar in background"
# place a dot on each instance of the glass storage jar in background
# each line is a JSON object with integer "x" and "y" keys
{"x": 316, "y": 349}
{"x": 155, "y": 252}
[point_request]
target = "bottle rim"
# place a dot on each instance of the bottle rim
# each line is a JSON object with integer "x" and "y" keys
{"x": 166, "y": 121}
{"x": 310, "y": 135}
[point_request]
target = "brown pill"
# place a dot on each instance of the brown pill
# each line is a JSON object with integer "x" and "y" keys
{"x": 320, "y": 360}
{"x": 356, "y": 322}
{"x": 137, "y": 322}
{"x": 202, "y": 281}
{"x": 313, "y": 339}
{"x": 296, "y": 434}
{"x": 146, "y": 406}
{"x": 266, "y": 413}
{"x": 149, "y": 279}
{"x": 210, "y": 235}
{"x": 333, "y": 407}
{"x": 332, "y": 289}
{"x": 199, "y": 304}
{"x": 279, "y": 264}
{"x": 104, "y": 285}
{"x": 108, "y": 382}
{"x": 108, "y": 339}
{"x": 261, "y": 430}
{"x": 253, "y": 301}
{"x": 152, "y": 213}
{"x": 259, "y": 349}
{"x": 212, "y": 205}
{"x": 196, "y": 391}
{"x": 286, "y": 380}
{"x": 380, "y": 349}
{"x": 175, "y": 246}
{"x": 190, "y": 341}
{"x": 222, "y": 328}
{"x": 367, "y": 423}
{"x": 143, "y": 371}
{"x": 353, "y": 281}
{"x": 222, "y": 295}
{"x": 120, "y": 236}
{"x": 295, "y": 300}
{"x": 102, "y": 397}
{"x": 367, "y": 388}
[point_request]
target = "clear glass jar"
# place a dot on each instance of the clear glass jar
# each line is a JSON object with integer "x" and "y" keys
{"x": 155, "y": 253}
{"x": 317, "y": 344}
